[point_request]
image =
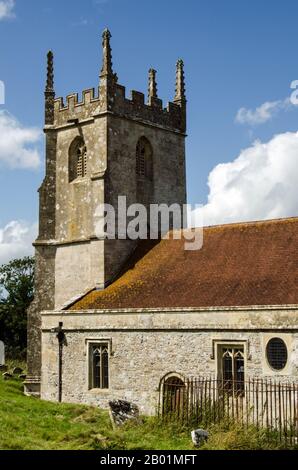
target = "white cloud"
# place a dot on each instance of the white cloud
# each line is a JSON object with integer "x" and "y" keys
{"x": 18, "y": 143}
{"x": 263, "y": 113}
{"x": 6, "y": 9}
{"x": 260, "y": 184}
{"x": 16, "y": 240}
{"x": 81, "y": 22}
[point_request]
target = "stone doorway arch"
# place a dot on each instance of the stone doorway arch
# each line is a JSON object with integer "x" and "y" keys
{"x": 174, "y": 394}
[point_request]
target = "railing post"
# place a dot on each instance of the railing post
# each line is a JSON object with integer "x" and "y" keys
{"x": 205, "y": 400}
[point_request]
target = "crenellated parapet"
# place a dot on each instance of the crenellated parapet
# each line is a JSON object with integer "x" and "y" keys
{"x": 76, "y": 108}
{"x": 90, "y": 106}
{"x": 152, "y": 112}
{"x": 110, "y": 97}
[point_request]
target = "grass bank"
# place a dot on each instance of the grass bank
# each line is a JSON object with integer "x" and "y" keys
{"x": 30, "y": 424}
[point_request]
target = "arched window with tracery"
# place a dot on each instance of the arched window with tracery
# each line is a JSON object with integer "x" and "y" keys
{"x": 232, "y": 369}
{"x": 144, "y": 159}
{"x": 77, "y": 159}
{"x": 99, "y": 366}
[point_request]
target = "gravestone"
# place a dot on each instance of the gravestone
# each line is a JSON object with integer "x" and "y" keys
{"x": 2, "y": 353}
{"x": 122, "y": 411}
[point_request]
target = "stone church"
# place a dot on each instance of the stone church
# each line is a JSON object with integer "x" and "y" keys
{"x": 112, "y": 318}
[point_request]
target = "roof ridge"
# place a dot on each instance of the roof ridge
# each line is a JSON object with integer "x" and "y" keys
{"x": 246, "y": 223}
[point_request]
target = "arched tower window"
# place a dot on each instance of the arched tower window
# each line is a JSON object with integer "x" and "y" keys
{"x": 144, "y": 159}
{"x": 77, "y": 159}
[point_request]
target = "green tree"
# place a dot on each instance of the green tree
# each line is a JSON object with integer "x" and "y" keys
{"x": 16, "y": 294}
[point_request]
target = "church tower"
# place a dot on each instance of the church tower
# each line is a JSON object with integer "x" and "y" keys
{"x": 98, "y": 148}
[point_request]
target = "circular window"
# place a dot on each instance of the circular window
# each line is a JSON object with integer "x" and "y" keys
{"x": 277, "y": 353}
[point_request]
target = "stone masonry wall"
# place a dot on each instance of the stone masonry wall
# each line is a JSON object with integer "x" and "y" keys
{"x": 89, "y": 256}
{"x": 169, "y": 181}
{"x": 146, "y": 346}
{"x": 45, "y": 289}
{"x": 76, "y": 202}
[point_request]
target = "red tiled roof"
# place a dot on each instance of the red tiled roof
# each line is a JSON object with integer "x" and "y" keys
{"x": 239, "y": 265}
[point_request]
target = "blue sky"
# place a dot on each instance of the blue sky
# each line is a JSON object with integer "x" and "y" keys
{"x": 238, "y": 54}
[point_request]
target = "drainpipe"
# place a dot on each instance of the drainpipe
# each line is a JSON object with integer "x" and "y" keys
{"x": 61, "y": 340}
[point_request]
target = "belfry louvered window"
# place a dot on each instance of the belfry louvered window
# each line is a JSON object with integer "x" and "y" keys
{"x": 82, "y": 161}
{"x": 99, "y": 366}
{"x": 77, "y": 159}
{"x": 144, "y": 159}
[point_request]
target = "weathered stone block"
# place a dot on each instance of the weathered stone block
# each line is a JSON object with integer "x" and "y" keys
{"x": 122, "y": 411}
